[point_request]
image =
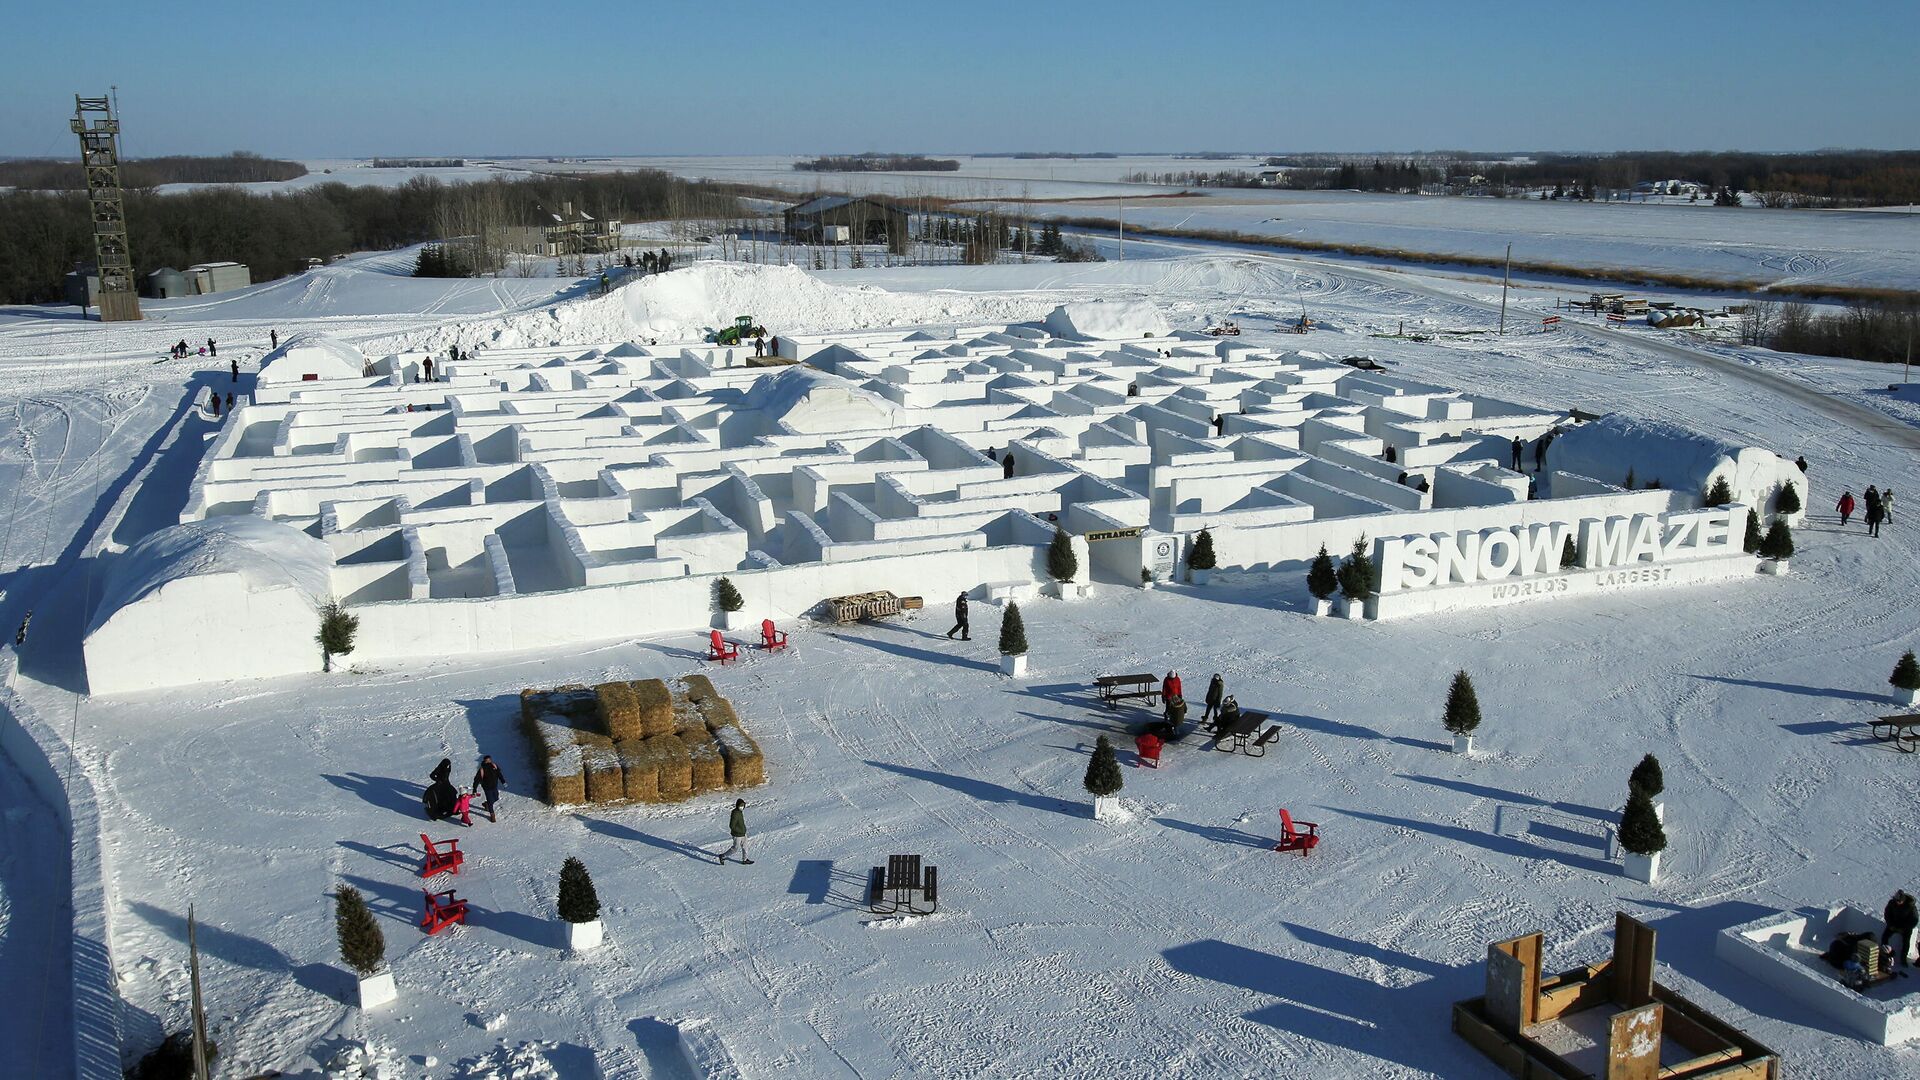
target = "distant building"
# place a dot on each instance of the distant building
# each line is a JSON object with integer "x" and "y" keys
{"x": 200, "y": 279}
{"x": 831, "y": 219}
{"x": 81, "y": 286}
{"x": 567, "y": 231}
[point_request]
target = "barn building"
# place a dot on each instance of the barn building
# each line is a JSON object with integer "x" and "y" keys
{"x": 839, "y": 219}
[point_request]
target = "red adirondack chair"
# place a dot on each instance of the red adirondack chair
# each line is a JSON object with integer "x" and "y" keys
{"x": 446, "y": 858}
{"x": 443, "y": 910}
{"x": 721, "y": 649}
{"x": 771, "y": 639}
{"x": 1292, "y": 839}
{"x": 1149, "y": 749}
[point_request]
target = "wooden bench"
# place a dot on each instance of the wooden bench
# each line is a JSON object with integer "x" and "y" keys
{"x": 1113, "y": 689}
{"x": 443, "y": 910}
{"x": 1239, "y": 732}
{"x": 891, "y": 887}
{"x": 1259, "y": 747}
{"x": 447, "y": 858}
{"x": 1902, "y": 731}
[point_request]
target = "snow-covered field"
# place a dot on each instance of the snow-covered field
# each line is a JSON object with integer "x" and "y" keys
{"x": 1171, "y": 944}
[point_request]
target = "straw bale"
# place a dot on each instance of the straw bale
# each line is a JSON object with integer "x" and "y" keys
{"x": 640, "y": 770}
{"x": 746, "y": 765}
{"x": 605, "y": 782}
{"x": 566, "y": 778}
{"x": 655, "y": 704}
{"x": 617, "y": 711}
{"x": 676, "y": 766}
{"x": 698, "y": 687}
{"x": 718, "y": 713}
{"x": 709, "y": 769}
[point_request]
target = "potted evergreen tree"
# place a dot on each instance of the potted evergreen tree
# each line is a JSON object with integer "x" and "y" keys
{"x": 1719, "y": 494}
{"x": 1322, "y": 581}
{"x": 1146, "y": 578}
{"x": 1569, "y": 553}
{"x": 337, "y": 629}
{"x": 1776, "y": 547}
{"x": 1356, "y": 580}
{"x": 1013, "y": 642}
{"x": 1200, "y": 558}
{"x": 726, "y": 596}
{"x": 1750, "y": 543}
{"x": 1063, "y": 565}
{"x": 1906, "y": 679}
{"x": 579, "y": 906}
{"x": 1103, "y": 780}
{"x": 1647, "y": 780}
{"x": 1463, "y": 712}
{"x": 1787, "y": 504}
{"x": 1642, "y": 836}
{"x": 363, "y": 947}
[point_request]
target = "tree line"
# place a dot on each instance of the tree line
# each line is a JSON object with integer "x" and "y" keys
{"x": 877, "y": 163}
{"x": 1879, "y": 332}
{"x": 43, "y": 235}
{"x": 56, "y": 174}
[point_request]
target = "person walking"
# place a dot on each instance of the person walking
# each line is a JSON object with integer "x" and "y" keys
{"x": 1170, "y": 687}
{"x": 229, "y": 403}
{"x": 490, "y": 779}
{"x": 1902, "y": 916}
{"x": 1875, "y": 512}
{"x": 214, "y": 403}
{"x": 212, "y": 349}
{"x": 1540, "y": 453}
{"x": 440, "y": 796}
{"x": 274, "y": 337}
{"x": 1006, "y": 465}
{"x": 234, "y": 366}
{"x": 426, "y": 366}
{"x": 1802, "y": 462}
{"x": 1886, "y": 504}
{"x": 1871, "y": 497}
{"x": 1216, "y": 693}
{"x": 737, "y": 828}
{"x": 1518, "y": 448}
{"x": 960, "y": 619}
{"x": 1845, "y": 507}
{"x": 20, "y": 635}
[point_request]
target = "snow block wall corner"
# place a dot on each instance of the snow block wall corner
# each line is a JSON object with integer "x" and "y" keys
{"x": 226, "y": 598}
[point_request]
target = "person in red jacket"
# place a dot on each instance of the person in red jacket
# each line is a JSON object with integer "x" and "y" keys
{"x": 1170, "y": 687}
{"x": 1845, "y": 506}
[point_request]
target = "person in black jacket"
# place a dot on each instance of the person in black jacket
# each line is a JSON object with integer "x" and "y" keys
{"x": 490, "y": 779}
{"x": 440, "y": 795}
{"x": 960, "y": 619}
{"x": 1902, "y": 917}
{"x": 1216, "y": 693}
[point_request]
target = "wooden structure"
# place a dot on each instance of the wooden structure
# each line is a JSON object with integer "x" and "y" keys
{"x": 893, "y": 886}
{"x": 99, "y": 131}
{"x": 1233, "y": 734}
{"x": 443, "y": 910}
{"x": 1114, "y": 689}
{"x": 863, "y": 606}
{"x": 1293, "y": 839}
{"x": 1515, "y": 1019}
{"x": 771, "y": 639}
{"x": 719, "y": 648}
{"x": 1903, "y": 731}
{"x": 446, "y": 856}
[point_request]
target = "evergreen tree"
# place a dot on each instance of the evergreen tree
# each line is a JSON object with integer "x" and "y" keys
{"x": 579, "y": 903}
{"x": 1789, "y": 500}
{"x": 1463, "y": 705}
{"x": 1013, "y": 632}
{"x": 1569, "y": 554}
{"x": 361, "y": 944}
{"x": 1751, "y": 542}
{"x": 1628, "y": 484}
{"x": 1062, "y": 563}
{"x": 1356, "y": 573}
{"x": 1200, "y": 556}
{"x": 727, "y": 595}
{"x": 1719, "y": 494}
{"x": 1646, "y": 777}
{"x": 1778, "y": 543}
{"x": 1103, "y": 771}
{"x": 1906, "y": 673}
{"x": 1640, "y": 830}
{"x": 337, "y": 628}
{"x": 1322, "y": 580}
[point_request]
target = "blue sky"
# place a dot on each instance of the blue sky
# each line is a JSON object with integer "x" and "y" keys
{"x": 477, "y": 77}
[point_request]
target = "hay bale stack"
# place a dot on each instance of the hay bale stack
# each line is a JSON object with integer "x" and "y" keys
{"x": 746, "y": 766}
{"x": 574, "y": 701}
{"x": 655, "y": 705}
{"x": 675, "y": 764}
{"x": 566, "y": 777}
{"x": 641, "y": 772}
{"x": 617, "y": 711}
{"x": 709, "y": 769}
{"x": 698, "y": 687}
{"x": 532, "y": 704}
{"x": 717, "y": 713}
{"x": 605, "y": 781}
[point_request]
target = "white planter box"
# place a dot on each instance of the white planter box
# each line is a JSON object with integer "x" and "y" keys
{"x": 1642, "y": 867}
{"x": 1064, "y": 590}
{"x": 1906, "y": 697}
{"x": 377, "y": 990}
{"x": 734, "y": 621}
{"x": 1014, "y": 666}
{"x": 1353, "y": 609}
{"x": 1322, "y": 608}
{"x": 1776, "y": 567}
{"x": 1199, "y": 577}
{"x": 1106, "y": 807}
{"x": 1463, "y": 744}
{"x": 1148, "y": 585}
{"x": 582, "y": 936}
{"x": 1660, "y": 812}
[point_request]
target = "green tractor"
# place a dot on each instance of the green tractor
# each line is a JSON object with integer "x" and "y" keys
{"x": 743, "y": 328}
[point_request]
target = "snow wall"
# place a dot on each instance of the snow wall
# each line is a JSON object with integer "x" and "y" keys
{"x": 315, "y": 355}
{"x": 1681, "y": 459}
{"x": 43, "y": 757}
{"x": 225, "y": 598}
{"x": 1107, "y": 320}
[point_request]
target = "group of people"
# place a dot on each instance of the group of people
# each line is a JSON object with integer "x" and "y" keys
{"x": 442, "y": 800}
{"x": 1221, "y": 710}
{"x": 650, "y": 262}
{"x": 1879, "y": 508}
{"x": 1896, "y": 941}
{"x": 1539, "y": 451}
{"x": 766, "y": 346}
{"x": 181, "y": 350}
{"x": 213, "y": 401}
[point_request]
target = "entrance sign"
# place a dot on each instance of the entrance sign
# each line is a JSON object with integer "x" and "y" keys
{"x": 1524, "y": 551}
{"x": 1112, "y": 534}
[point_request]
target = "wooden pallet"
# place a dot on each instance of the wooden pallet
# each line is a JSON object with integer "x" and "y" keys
{"x": 861, "y": 606}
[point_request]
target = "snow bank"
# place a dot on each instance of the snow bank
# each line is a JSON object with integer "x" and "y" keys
{"x": 229, "y": 597}
{"x": 312, "y": 354}
{"x": 1107, "y": 320}
{"x": 812, "y": 401}
{"x": 1679, "y": 458}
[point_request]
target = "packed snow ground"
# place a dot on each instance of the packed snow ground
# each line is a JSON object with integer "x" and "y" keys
{"x": 1172, "y": 944}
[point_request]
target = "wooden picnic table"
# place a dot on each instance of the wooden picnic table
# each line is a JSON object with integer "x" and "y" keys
{"x": 1113, "y": 689}
{"x": 1240, "y": 730}
{"x": 1902, "y": 731}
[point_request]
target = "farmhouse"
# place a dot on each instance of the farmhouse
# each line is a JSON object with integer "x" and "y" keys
{"x": 566, "y": 231}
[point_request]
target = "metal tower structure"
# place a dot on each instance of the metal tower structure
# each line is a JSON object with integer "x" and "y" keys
{"x": 99, "y": 132}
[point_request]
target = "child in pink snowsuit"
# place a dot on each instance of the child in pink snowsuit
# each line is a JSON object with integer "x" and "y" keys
{"x": 463, "y": 806}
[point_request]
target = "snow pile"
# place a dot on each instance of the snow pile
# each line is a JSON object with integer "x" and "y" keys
{"x": 265, "y": 554}
{"x": 365, "y": 1061}
{"x": 812, "y": 401}
{"x": 1678, "y": 458}
{"x": 313, "y": 353}
{"x": 527, "y": 1061}
{"x": 1107, "y": 320}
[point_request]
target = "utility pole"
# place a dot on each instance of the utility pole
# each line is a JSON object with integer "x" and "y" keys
{"x": 1506, "y": 278}
{"x": 1123, "y": 230}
